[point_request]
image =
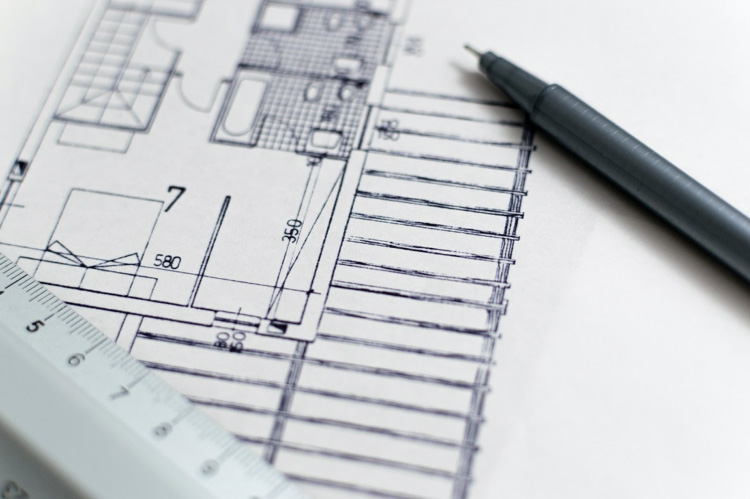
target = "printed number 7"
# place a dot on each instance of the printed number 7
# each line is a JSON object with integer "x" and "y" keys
{"x": 180, "y": 192}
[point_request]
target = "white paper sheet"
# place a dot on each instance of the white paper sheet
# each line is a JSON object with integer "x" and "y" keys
{"x": 368, "y": 287}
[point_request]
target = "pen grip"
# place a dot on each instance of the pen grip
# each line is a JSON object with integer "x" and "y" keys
{"x": 658, "y": 184}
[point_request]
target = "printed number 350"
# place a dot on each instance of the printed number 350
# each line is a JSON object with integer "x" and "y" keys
{"x": 292, "y": 231}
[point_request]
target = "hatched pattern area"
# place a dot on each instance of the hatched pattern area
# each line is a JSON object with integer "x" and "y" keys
{"x": 288, "y": 118}
{"x": 320, "y": 36}
{"x": 320, "y": 64}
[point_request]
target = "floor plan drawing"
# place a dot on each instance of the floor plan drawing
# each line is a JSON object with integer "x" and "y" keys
{"x": 249, "y": 198}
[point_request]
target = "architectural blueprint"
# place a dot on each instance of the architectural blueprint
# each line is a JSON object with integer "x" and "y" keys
{"x": 262, "y": 202}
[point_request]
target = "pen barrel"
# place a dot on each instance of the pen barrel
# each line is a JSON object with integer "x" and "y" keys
{"x": 658, "y": 184}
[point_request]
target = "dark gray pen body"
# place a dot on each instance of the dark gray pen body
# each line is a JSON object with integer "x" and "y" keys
{"x": 658, "y": 184}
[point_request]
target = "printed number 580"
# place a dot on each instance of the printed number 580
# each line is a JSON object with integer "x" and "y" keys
{"x": 167, "y": 261}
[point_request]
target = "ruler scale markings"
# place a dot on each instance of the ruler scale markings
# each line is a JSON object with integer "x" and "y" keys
{"x": 15, "y": 272}
{"x": 83, "y": 330}
{"x": 13, "y": 283}
{"x": 109, "y": 348}
{"x": 67, "y": 316}
{"x": 185, "y": 412}
{"x": 76, "y": 321}
{"x": 123, "y": 362}
{"x": 27, "y": 283}
{"x": 131, "y": 366}
{"x": 97, "y": 345}
{"x": 48, "y": 299}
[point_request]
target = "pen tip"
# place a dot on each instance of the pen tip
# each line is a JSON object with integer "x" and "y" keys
{"x": 472, "y": 50}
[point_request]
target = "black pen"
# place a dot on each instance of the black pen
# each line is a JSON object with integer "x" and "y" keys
{"x": 666, "y": 190}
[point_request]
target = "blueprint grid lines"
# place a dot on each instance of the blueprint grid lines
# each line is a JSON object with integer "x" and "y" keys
{"x": 330, "y": 287}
